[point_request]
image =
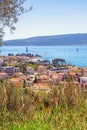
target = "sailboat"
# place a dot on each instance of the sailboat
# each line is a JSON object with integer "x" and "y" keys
{"x": 26, "y": 49}
{"x": 77, "y": 49}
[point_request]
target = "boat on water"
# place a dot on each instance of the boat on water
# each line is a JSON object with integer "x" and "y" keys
{"x": 26, "y": 49}
{"x": 77, "y": 49}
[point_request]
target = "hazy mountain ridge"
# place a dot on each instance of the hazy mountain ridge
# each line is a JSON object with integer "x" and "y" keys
{"x": 67, "y": 39}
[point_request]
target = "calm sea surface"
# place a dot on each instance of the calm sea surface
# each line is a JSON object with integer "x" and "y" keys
{"x": 76, "y": 55}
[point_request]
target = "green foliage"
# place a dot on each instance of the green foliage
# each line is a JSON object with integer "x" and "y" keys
{"x": 58, "y": 62}
{"x": 45, "y": 62}
{"x": 35, "y": 66}
{"x": 9, "y": 12}
{"x": 63, "y": 108}
{"x": 53, "y": 119}
{"x": 23, "y": 66}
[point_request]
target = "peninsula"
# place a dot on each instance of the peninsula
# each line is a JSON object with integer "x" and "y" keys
{"x": 55, "y": 40}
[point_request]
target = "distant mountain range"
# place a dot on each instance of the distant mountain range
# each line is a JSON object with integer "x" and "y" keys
{"x": 56, "y": 40}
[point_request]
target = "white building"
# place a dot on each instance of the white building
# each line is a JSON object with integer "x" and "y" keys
{"x": 82, "y": 79}
{"x": 83, "y": 82}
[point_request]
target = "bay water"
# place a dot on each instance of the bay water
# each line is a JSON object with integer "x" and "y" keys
{"x": 75, "y": 55}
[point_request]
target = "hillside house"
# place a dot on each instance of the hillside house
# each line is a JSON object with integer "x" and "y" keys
{"x": 44, "y": 79}
{"x": 83, "y": 82}
{"x": 42, "y": 69}
{"x": 30, "y": 70}
{"x": 1, "y": 63}
{"x": 84, "y": 71}
{"x": 10, "y": 70}
{"x": 3, "y": 76}
{"x": 60, "y": 69}
{"x": 28, "y": 83}
{"x": 41, "y": 86}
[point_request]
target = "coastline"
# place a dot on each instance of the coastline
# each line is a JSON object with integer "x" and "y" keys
{"x": 68, "y": 53}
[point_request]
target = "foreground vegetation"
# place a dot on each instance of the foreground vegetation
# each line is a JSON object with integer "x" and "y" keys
{"x": 64, "y": 108}
{"x": 53, "y": 120}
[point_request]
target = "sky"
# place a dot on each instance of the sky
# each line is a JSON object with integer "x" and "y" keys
{"x": 51, "y": 17}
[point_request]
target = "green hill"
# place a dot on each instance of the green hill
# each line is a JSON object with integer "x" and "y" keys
{"x": 56, "y": 40}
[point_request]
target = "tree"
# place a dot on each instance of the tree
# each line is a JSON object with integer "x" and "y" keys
{"x": 46, "y": 62}
{"x": 9, "y": 12}
{"x": 58, "y": 62}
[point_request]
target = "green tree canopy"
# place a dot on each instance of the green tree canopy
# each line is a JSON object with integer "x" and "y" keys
{"x": 9, "y": 12}
{"x": 58, "y": 62}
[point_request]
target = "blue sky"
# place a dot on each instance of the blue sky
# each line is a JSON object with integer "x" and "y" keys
{"x": 51, "y": 17}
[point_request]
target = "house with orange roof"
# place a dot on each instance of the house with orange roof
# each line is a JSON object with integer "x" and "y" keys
{"x": 41, "y": 86}
{"x": 56, "y": 79}
{"x": 44, "y": 78}
{"x": 16, "y": 83}
{"x": 42, "y": 69}
{"x": 1, "y": 61}
{"x": 30, "y": 70}
{"x": 3, "y": 75}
